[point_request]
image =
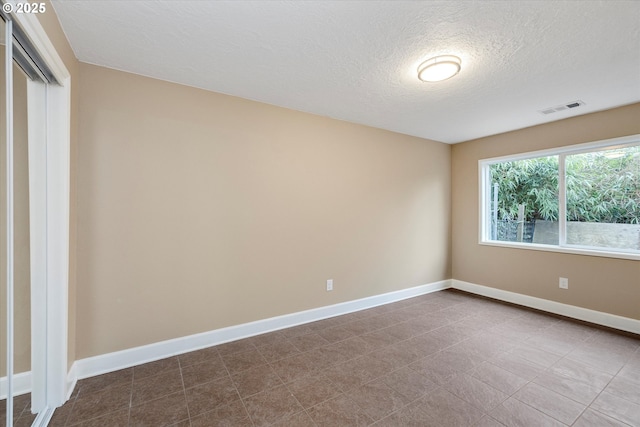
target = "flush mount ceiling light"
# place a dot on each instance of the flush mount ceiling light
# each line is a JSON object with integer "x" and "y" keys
{"x": 439, "y": 68}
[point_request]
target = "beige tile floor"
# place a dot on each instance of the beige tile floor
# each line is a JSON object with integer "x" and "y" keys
{"x": 442, "y": 359}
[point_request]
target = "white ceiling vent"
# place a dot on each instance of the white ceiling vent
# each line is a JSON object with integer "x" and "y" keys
{"x": 563, "y": 107}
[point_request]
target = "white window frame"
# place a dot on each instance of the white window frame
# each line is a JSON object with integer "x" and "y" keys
{"x": 563, "y": 247}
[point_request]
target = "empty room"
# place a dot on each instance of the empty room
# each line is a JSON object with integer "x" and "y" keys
{"x": 320, "y": 213}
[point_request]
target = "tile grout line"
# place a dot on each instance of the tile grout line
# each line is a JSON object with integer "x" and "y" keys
{"x": 586, "y": 406}
{"x": 299, "y": 403}
{"x": 66, "y": 420}
{"x": 603, "y": 390}
{"x": 236, "y": 388}
{"x": 133, "y": 378}
{"x": 184, "y": 391}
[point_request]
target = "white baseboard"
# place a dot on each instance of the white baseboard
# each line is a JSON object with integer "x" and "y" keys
{"x": 21, "y": 384}
{"x": 110, "y": 362}
{"x": 597, "y": 317}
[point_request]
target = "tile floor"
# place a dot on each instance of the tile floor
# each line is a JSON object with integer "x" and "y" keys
{"x": 22, "y": 416}
{"x": 442, "y": 359}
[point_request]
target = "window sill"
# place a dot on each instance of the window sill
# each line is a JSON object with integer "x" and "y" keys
{"x": 563, "y": 249}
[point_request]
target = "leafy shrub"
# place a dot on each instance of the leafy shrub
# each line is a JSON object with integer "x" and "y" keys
{"x": 599, "y": 187}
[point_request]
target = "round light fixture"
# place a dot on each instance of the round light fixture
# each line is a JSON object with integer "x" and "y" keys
{"x": 439, "y": 68}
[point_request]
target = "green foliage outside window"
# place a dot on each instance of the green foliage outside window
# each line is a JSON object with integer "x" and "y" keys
{"x": 532, "y": 182}
{"x": 600, "y": 187}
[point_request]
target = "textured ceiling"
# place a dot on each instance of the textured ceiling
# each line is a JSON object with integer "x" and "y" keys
{"x": 357, "y": 60}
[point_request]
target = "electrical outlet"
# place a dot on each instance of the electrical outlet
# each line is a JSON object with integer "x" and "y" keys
{"x": 564, "y": 283}
{"x": 330, "y": 285}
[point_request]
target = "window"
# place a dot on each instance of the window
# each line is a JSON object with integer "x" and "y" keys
{"x": 579, "y": 199}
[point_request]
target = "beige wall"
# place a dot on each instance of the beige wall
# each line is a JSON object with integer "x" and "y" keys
{"x": 603, "y": 284}
{"x": 198, "y": 211}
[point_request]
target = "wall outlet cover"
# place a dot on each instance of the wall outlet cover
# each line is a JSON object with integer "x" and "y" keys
{"x": 330, "y": 285}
